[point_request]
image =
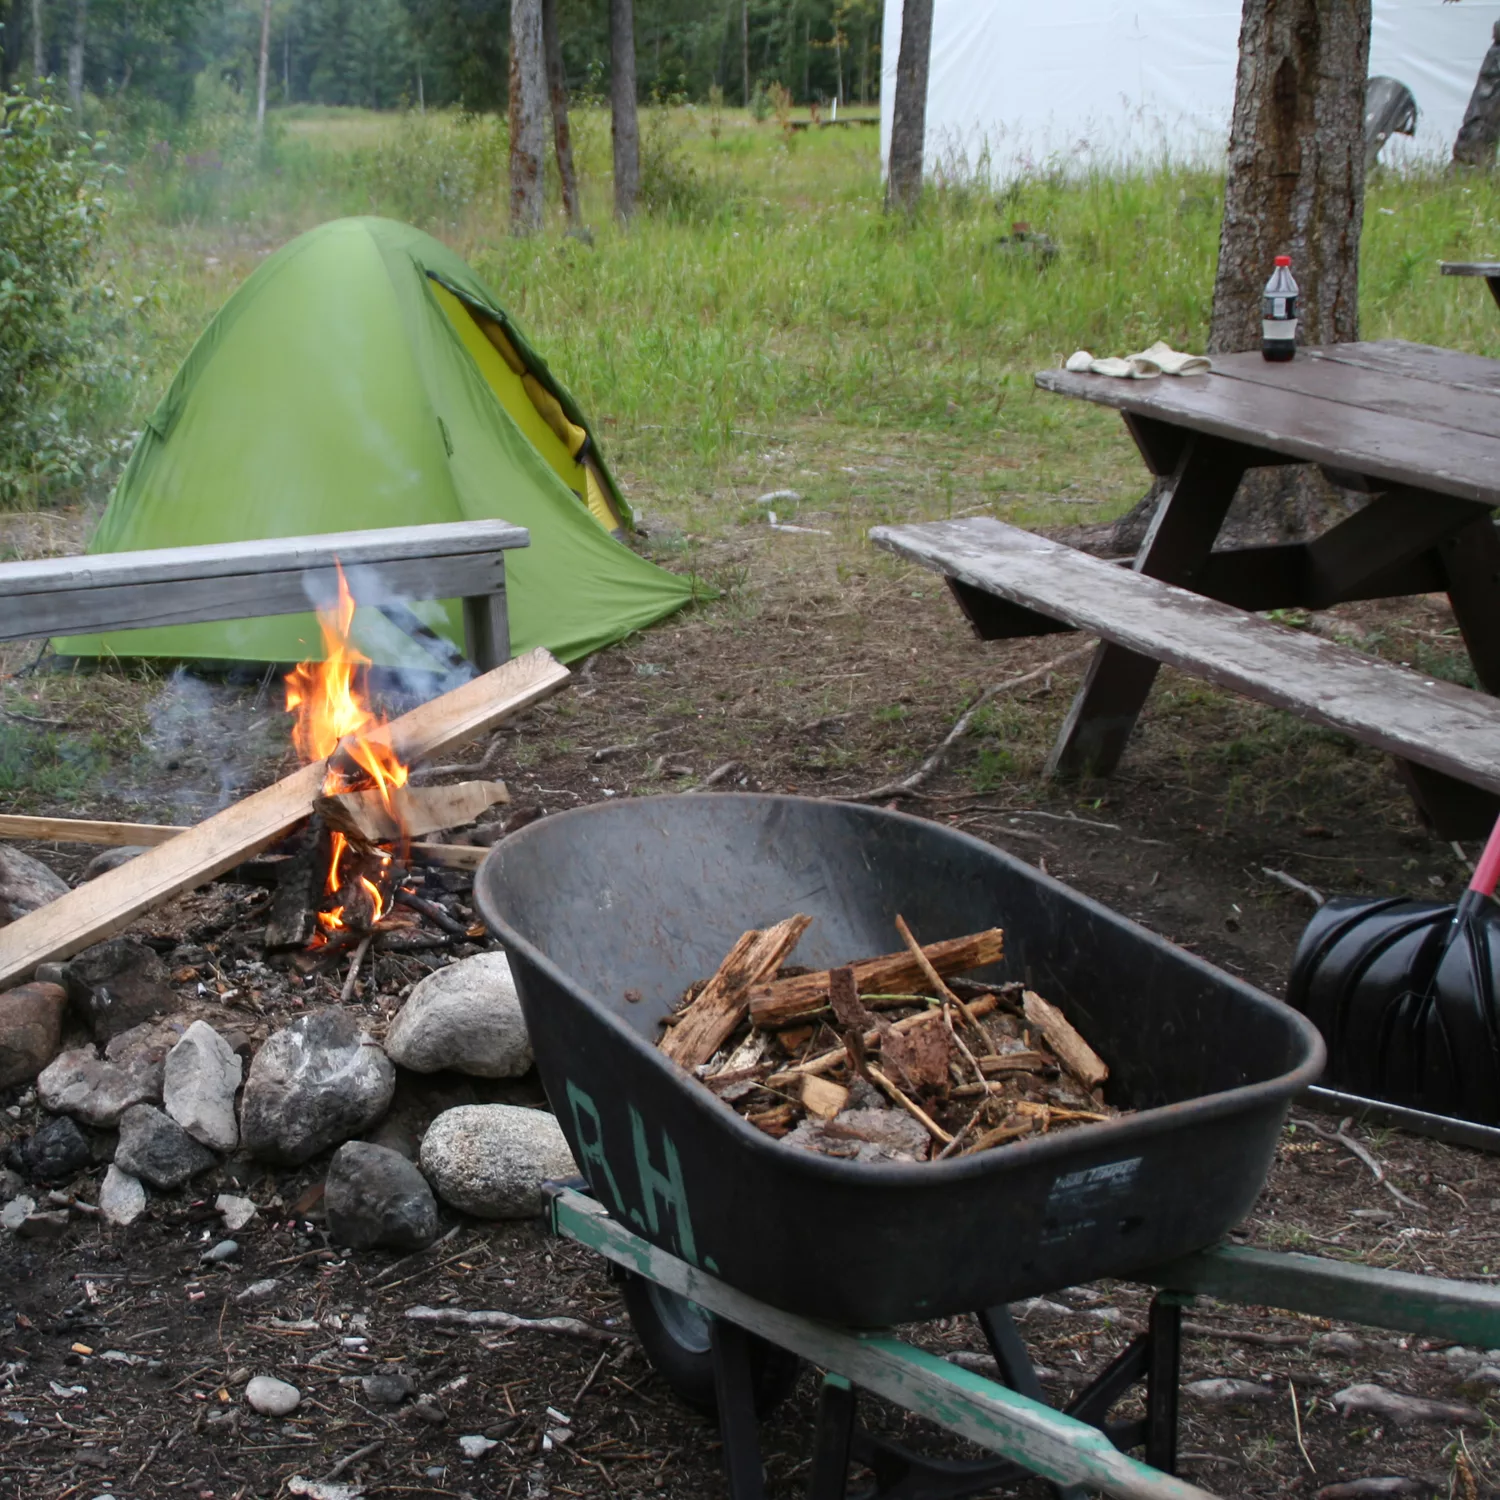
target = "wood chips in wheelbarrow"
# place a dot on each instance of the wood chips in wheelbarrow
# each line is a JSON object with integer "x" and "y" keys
{"x": 888, "y": 1059}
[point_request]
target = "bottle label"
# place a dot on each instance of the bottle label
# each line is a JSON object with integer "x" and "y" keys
{"x": 1278, "y": 329}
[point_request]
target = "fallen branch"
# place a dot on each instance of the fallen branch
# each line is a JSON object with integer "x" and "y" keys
{"x": 492, "y": 1318}
{"x": 110, "y": 903}
{"x": 907, "y": 785}
{"x": 1354, "y": 1148}
{"x": 348, "y": 1462}
{"x": 1072, "y": 1051}
{"x": 1293, "y": 884}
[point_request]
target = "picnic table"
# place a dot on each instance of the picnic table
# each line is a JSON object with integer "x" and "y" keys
{"x": 1489, "y": 269}
{"x": 1415, "y": 427}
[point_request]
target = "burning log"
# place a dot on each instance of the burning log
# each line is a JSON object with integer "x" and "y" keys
{"x": 1027, "y": 1072}
{"x": 380, "y": 817}
{"x": 109, "y": 904}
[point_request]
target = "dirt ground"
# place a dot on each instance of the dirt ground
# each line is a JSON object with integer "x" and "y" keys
{"x": 826, "y": 670}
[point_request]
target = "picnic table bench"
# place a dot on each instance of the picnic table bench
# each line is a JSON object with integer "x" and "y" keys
{"x": 1489, "y": 269}
{"x": 239, "y": 580}
{"x": 1415, "y": 427}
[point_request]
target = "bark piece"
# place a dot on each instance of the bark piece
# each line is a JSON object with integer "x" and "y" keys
{"x": 788, "y": 1000}
{"x": 414, "y": 810}
{"x": 82, "y": 917}
{"x": 1072, "y": 1051}
{"x": 822, "y": 1098}
{"x": 922, "y": 1054}
{"x": 720, "y": 1007}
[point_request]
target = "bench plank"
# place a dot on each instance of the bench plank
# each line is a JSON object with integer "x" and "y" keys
{"x": 241, "y": 580}
{"x": 1436, "y": 724}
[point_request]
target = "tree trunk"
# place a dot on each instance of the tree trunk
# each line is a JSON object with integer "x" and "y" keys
{"x": 745, "y": 47}
{"x": 624, "y": 128}
{"x": 265, "y": 67}
{"x": 1296, "y": 182}
{"x": 528, "y": 108}
{"x": 557, "y": 90}
{"x": 903, "y": 184}
{"x": 75, "y": 52}
{"x": 38, "y": 42}
{"x": 1475, "y": 145}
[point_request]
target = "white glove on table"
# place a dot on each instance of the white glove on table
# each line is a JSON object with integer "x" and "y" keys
{"x": 1159, "y": 359}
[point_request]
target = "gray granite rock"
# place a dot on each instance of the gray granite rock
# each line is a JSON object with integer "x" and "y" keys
{"x": 467, "y": 1017}
{"x": 122, "y": 1199}
{"x": 80, "y": 1083}
{"x": 111, "y": 859}
{"x": 490, "y": 1160}
{"x": 313, "y": 1085}
{"x": 202, "y": 1078}
{"x": 25, "y": 884}
{"x": 31, "y": 1018}
{"x": 155, "y": 1148}
{"x": 116, "y": 985}
{"x": 374, "y": 1196}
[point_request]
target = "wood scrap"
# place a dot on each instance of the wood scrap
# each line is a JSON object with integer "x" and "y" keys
{"x": 902, "y": 1084}
{"x": 787, "y": 1000}
{"x": 107, "y": 905}
{"x": 411, "y": 810}
{"x": 720, "y": 1006}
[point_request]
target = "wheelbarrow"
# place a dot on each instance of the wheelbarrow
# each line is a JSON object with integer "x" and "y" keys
{"x": 610, "y": 911}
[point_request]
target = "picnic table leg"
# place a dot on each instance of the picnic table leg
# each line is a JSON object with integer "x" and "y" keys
{"x": 1179, "y": 539}
{"x": 1493, "y": 282}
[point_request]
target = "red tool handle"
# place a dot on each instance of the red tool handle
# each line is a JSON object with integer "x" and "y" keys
{"x": 1487, "y": 871}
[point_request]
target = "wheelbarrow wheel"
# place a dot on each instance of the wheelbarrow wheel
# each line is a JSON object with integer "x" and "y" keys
{"x": 674, "y": 1334}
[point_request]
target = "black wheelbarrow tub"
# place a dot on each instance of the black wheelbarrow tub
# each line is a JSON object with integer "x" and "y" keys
{"x": 643, "y": 896}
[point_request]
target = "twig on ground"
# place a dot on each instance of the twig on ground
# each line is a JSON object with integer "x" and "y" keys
{"x": 1355, "y": 1149}
{"x": 593, "y": 1375}
{"x": 406, "y": 1261}
{"x": 1297, "y": 1423}
{"x": 354, "y": 963}
{"x": 906, "y": 785}
{"x": 720, "y": 773}
{"x": 609, "y": 752}
{"x": 504, "y": 1322}
{"x": 1293, "y": 884}
{"x": 352, "y": 1459}
{"x": 146, "y": 1463}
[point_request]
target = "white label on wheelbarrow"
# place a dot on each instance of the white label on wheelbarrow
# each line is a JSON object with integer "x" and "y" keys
{"x": 1079, "y": 1200}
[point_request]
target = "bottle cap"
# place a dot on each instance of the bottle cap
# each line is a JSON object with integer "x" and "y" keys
{"x": 1283, "y": 260}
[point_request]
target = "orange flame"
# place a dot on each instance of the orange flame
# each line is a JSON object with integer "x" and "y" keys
{"x": 331, "y": 711}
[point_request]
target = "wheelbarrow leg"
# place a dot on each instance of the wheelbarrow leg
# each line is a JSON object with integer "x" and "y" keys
{"x": 1018, "y": 1372}
{"x": 735, "y": 1394}
{"x": 830, "y": 1464}
{"x": 1162, "y": 1368}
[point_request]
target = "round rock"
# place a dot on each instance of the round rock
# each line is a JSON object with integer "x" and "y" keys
{"x": 467, "y": 1017}
{"x": 312, "y": 1085}
{"x": 30, "y": 1030}
{"x": 490, "y": 1160}
{"x": 272, "y": 1397}
{"x": 55, "y": 1152}
{"x": 201, "y": 1079}
{"x": 25, "y": 884}
{"x": 154, "y": 1147}
{"x": 374, "y": 1196}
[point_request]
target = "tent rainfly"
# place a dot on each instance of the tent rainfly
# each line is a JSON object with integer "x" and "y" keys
{"x": 1016, "y": 89}
{"x": 363, "y": 377}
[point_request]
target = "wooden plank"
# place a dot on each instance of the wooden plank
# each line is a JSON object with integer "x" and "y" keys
{"x": 1047, "y": 1442}
{"x": 1467, "y": 1312}
{"x": 109, "y": 904}
{"x": 1469, "y": 267}
{"x": 1450, "y": 367}
{"x": 280, "y": 554}
{"x": 1433, "y": 723}
{"x": 1400, "y": 450}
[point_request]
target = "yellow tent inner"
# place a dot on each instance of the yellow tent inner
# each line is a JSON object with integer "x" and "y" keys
{"x": 531, "y": 406}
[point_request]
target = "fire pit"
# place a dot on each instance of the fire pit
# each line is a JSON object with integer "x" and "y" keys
{"x": 607, "y": 913}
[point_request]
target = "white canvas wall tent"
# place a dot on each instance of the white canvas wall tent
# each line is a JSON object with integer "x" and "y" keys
{"x": 1018, "y": 88}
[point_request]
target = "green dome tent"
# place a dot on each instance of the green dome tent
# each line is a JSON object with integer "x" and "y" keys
{"x": 363, "y": 377}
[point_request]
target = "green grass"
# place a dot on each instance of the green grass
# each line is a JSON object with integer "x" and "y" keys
{"x": 774, "y": 325}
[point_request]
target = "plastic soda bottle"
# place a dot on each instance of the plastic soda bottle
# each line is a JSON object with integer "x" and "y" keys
{"x": 1278, "y": 313}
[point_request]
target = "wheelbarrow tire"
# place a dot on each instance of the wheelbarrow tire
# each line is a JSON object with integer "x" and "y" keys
{"x": 674, "y": 1335}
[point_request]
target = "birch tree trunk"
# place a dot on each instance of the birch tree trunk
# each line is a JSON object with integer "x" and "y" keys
{"x": 528, "y": 108}
{"x": 265, "y": 64}
{"x": 557, "y": 91}
{"x": 624, "y": 127}
{"x": 75, "y": 52}
{"x": 903, "y": 183}
{"x": 1296, "y": 168}
{"x": 1475, "y": 144}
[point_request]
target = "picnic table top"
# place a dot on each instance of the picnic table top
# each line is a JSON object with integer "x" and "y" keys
{"x": 1408, "y": 414}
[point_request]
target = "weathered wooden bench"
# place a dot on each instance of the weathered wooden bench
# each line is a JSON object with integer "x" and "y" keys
{"x": 1005, "y": 578}
{"x": 240, "y": 580}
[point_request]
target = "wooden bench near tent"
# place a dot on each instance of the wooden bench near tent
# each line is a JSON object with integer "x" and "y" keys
{"x": 242, "y": 580}
{"x": 1004, "y": 577}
